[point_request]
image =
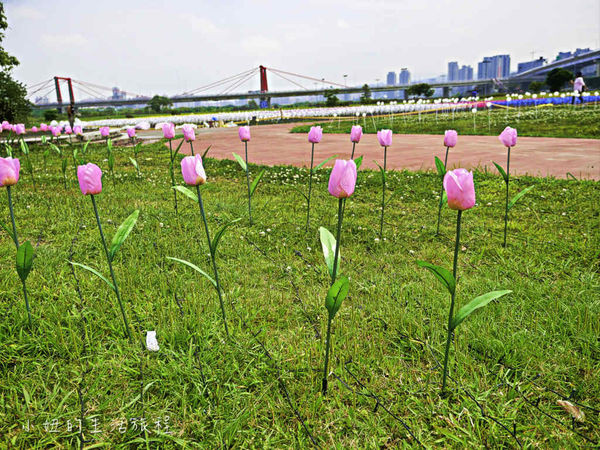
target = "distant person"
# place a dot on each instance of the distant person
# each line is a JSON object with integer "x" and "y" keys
{"x": 578, "y": 86}
{"x": 71, "y": 115}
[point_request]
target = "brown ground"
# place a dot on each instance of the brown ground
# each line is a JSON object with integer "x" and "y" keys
{"x": 274, "y": 144}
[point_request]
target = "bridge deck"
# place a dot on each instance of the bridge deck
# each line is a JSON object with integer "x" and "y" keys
{"x": 273, "y": 144}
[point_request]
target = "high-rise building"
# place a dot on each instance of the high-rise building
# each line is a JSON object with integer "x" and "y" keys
{"x": 404, "y": 77}
{"x": 453, "y": 71}
{"x": 494, "y": 67}
{"x": 391, "y": 79}
{"x": 525, "y": 66}
{"x": 465, "y": 73}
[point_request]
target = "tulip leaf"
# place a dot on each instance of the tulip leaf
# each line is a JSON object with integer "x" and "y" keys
{"x": 8, "y": 230}
{"x": 336, "y": 295}
{"x": 177, "y": 150}
{"x": 516, "y": 198}
{"x": 56, "y": 148}
{"x": 240, "y": 160}
{"x": 64, "y": 165}
{"x": 501, "y": 170}
{"x": 8, "y": 150}
{"x": 24, "y": 147}
{"x": 569, "y": 174}
{"x": 185, "y": 191}
{"x": 85, "y": 146}
{"x": 441, "y": 168}
{"x": 381, "y": 170}
{"x": 111, "y": 161}
{"x": 328, "y": 243}
{"x": 219, "y": 234}
{"x": 325, "y": 162}
{"x": 206, "y": 151}
{"x": 109, "y": 144}
{"x": 444, "y": 275}
{"x": 300, "y": 192}
{"x": 255, "y": 182}
{"x": 473, "y": 305}
{"x": 44, "y": 139}
{"x": 392, "y": 196}
{"x": 24, "y": 260}
{"x": 196, "y": 268}
{"x": 358, "y": 161}
{"x": 444, "y": 197}
{"x": 95, "y": 272}
{"x": 122, "y": 233}
{"x": 134, "y": 163}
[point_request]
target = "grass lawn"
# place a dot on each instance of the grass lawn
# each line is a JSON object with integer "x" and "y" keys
{"x": 545, "y": 121}
{"x": 510, "y": 362}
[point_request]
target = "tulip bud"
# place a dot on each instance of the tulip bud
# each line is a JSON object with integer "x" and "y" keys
{"x": 20, "y": 128}
{"x": 459, "y": 188}
{"x": 43, "y": 127}
{"x": 315, "y": 135}
{"x": 9, "y": 171}
{"x": 131, "y": 132}
{"x": 508, "y": 137}
{"x": 77, "y": 130}
{"x": 356, "y": 133}
{"x": 193, "y": 171}
{"x": 244, "y": 133}
{"x": 343, "y": 178}
{"x": 188, "y": 133}
{"x": 104, "y": 131}
{"x": 68, "y": 129}
{"x": 168, "y": 130}
{"x": 34, "y": 129}
{"x": 5, "y": 125}
{"x": 450, "y": 138}
{"x": 90, "y": 179}
{"x": 55, "y": 131}
{"x": 384, "y": 137}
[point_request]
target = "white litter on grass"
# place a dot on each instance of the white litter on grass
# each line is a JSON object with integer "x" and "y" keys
{"x": 151, "y": 342}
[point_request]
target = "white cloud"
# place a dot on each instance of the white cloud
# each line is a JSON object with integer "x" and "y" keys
{"x": 341, "y": 23}
{"x": 260, "y": 45}
{"x": 63, "y": 40}
{"x": 25, "y": 12}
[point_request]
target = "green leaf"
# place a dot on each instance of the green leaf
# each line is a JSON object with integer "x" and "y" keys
{"x": 358, "y": 161}
{"x": 300, "y": 192}
{"x": 95, "y": 272}
{"x": 177, "y": 149}
{"x": 56, "y": 148}
{"x": 392, "y": 196}
{"x": 328, "y": 244}
{"x": 24, "y": 147}
{"x": 24, "y": 260}
{"x": 134, "y": 162}
{"x": 336, "y": 295}
{"x": 64, "y": 165}
{"x": 476, "y": 303}
{"x": 111, "y": 161}
{"x": 85, "y": 146}
{"x": 501, "y": 170}
{"x": 255, "y": 182}
{"x": 219, "y": 234}
{"x": 444, "y": 275}
{"x": 196, "y": 268}
{"x": 206, "y": 151}
{"x": 325, "y": 162}
{"x": 44, "y": 139}
{"x": 109, "y": 144}
{"x": 185, "y": 191}
{"x": 569, "y": 174}
{"x": 8, "y": 230}
{"x": 122, "y": 233}
{"x": 441, "y": 168}
{"x": 444, "y": 197}
{"x": 381, "y": 170}
{"x": 516, "y": 198}
{"x": 240, "y": 160}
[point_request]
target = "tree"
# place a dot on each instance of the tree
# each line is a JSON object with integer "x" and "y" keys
{"x": 14, "y": 107}
{"x": 366, "y": 95}
{"x": 420, "y": 89}
{"x": 159, "y": 103}
{"x": 536, "y": 86}
{"x": 331, "y": 98}
{"x": 557, "y": 78}
{"x": 252, "y": 104}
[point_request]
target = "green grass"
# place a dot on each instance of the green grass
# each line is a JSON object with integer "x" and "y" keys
{"x": 389, "y": 332}
{"x": 547, "y": 121}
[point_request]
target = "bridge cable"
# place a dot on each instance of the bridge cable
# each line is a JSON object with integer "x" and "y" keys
{"x": 240, "y": 82}
{"x": 216, "y": 83}
{"x": 291, "y": 81}
{"x": 306, "y": 77}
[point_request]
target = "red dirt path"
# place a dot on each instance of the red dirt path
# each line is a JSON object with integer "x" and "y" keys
{"x": 274, "y": 144}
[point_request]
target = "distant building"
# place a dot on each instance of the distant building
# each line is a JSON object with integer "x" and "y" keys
{"x": 453, "y": 71}
{"x": 404, "y": 77}
{"x": 497, "y": 66}
{"x": 525, "y": 66}
{"x": 465, "y": 73}
{"x": 391, "y": 79}
{"x": 117, "y": 94}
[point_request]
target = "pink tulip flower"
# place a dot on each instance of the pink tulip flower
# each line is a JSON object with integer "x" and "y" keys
{"x": 68, "y": 129}
{"x": 244, "y": 133}
{"x": 188, "y": 133}
{"x": 90, "y": 179}
{"x": 356, "y": 133}
{"x": 193, "y": 170}
{"x": 450, "y": 138}
{"x": 315, "y": 135}
{"x": 34, "y": 129}
{"x": 9, "y": 171}
{"x": 131, "y": 132}
{"x": 459, "y": 188}
{"x": 55, "y": 131}
{"x": 104, "y": 131}
{"x": 168, "y": 130}
{"x": 343, "y": 178}
{"x": 508, "y": 137}
{"x": 6, "y": 125}
{"x": 77, "y": 130}
{"x": 43, "y": 127}
{"x": 20, "y": 128}
{"x": 384, "y": 137}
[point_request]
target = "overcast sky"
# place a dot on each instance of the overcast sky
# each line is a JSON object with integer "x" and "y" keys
{"x": 168, "y": 47}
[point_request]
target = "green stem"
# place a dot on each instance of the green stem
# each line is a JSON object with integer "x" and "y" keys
{"x": 441, "y": 195}
{"x": 450, "y": 315}
{"x": 172, "y": 157}
{"x": 112, "y": 273}
{"x": 192, "y": 148}
{"x": 353, "y": 147}
{"x": 506, "y": 205}
{"x": 248, "y": 183}
{"x": 325, "y": 368}
{"x": 383, "y": 192}
{"x": 12, "y": 217}
{"x": 342, "y": 202}
{"x": 312, "y": 157}
{"x": 26, "y": 302}
{"x": 212, "y": 257}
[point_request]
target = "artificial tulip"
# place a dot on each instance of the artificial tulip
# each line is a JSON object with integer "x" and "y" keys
{"x": 193, "y": 170}
{"x": 131, "y": 132}
{"x": 244, "y": 133}
{"x": 315, "y": 135}
{"x": 343, "y": 178}
{"x": 450, "y": 138}
{"x": 460, "y": 189}
{"x": 9, "y": 171}
{"x": 90, "y": 179}
{"x": 104, "y": 132}
{"x": 168, "y": 130}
